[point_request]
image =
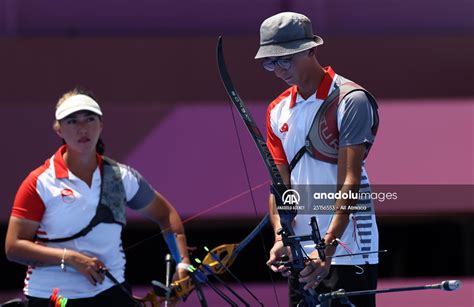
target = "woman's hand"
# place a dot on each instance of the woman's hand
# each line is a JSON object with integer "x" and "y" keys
{"x": 86, "y": 265}
{"x": 181, "y": 271}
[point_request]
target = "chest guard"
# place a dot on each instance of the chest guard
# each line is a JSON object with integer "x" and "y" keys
{"x": 112, "y": 202}
{"x": 322, "y": 141}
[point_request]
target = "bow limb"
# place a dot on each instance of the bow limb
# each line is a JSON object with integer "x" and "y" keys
{"x": 278, "y": 186}
{"x": 277, "y": 182}
{"x": 224, "y": 255}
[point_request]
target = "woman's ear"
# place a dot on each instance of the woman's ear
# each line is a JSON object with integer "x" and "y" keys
{"x": 57, "y": 129}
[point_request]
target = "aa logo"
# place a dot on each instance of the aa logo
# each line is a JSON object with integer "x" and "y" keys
{"x": 290, "y": 197}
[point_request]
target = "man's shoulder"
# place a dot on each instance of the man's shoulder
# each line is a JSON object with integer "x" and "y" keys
{"x": 355, "y": 92}
{"x": 340, "y": 80}
{"x": 286, "y": 94}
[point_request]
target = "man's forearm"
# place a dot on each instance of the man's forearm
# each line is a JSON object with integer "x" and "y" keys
{"x": 341, "y": 216}
{"x": 335, "y": 230}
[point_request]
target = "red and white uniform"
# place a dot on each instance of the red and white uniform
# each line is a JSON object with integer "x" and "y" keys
{"x": 63, "y": 204}
{"x": 289, "y": 119}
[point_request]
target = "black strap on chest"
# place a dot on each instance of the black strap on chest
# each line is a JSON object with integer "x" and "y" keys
{"x": 112, "y": 202}
{"x": 297, "y": 157}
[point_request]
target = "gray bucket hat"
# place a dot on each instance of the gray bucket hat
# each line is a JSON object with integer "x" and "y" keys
{"x": 286, "y": 33}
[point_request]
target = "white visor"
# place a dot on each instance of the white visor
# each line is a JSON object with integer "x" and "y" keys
{"x": 77, "y": 103}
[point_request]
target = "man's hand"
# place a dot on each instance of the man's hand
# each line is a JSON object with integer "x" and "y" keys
{"x": 276, "y": 253}
{"x": 314, "y": 272}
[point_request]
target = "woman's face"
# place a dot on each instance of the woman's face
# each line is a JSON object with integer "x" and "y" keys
{"x": 81, "y": 131}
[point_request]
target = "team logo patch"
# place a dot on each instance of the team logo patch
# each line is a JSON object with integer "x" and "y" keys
{"x": 284, "y": 128}
{"x": 67, "y": 196}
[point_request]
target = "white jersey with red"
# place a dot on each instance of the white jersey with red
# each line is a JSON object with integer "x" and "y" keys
{"x": 63, "y": 205}
{"x": 289, "y": 119}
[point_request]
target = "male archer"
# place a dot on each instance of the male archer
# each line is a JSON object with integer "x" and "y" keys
{"x": 319, "y": 132}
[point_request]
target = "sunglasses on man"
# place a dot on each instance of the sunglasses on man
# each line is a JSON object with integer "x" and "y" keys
{"x": 283, "y": 62}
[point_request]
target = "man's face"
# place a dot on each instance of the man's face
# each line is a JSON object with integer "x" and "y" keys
{"x": 291, "y": 68}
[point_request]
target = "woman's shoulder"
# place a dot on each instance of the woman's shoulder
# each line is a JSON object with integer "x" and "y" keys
{"x": 37, "y": 172}
{"x": 127, "y": 171}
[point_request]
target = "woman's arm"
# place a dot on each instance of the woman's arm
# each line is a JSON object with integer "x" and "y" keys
{"x": 162, "y": 212}
{"x": 19, "y": 247}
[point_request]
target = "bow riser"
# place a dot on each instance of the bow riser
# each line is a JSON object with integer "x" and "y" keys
{"x": 225, "y": 254}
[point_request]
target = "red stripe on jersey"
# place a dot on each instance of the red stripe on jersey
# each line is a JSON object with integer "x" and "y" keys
{"x": 27, "y": 203}
{"x": 325, "y": 86}
{"x": 60, "y": 168}
{"x": 27, "y": 277}
{"x": 100, "y": 162}
{"x": 273, "y": 142}
{"x": 293, "y": 92}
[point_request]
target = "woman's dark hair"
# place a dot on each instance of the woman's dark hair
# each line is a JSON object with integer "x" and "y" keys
{"x": 100, "y": 146}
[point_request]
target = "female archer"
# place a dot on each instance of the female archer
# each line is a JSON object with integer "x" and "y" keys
{"x": 68, "y": 215}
